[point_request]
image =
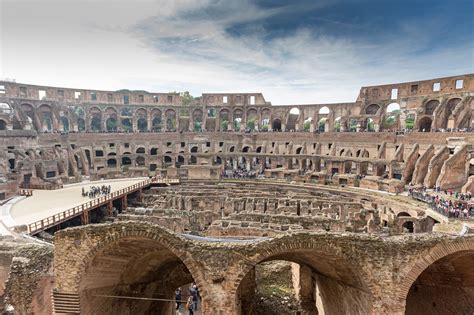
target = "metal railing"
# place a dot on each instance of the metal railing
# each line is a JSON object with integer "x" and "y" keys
{"x": 43, "y": 186}
{"x": 430, "y": 200}
{"x": 53, "y": 220}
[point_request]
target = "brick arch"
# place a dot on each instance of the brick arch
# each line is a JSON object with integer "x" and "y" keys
{"x": 110, "y": 235}
{"x": 283, "y": 247}
{"x": 426, "y": 259}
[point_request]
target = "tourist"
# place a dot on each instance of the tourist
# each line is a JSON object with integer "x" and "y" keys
{"x": 177, "y": 297}
{"x": 189, "y": 305}
{"x": 195, "y": 295}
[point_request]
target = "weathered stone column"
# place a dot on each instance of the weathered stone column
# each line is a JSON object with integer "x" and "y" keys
{"x": 304, "y": 288}
{"x": 247, "y": 293}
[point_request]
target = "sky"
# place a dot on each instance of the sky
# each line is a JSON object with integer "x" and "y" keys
{"x": 293, "y": 51}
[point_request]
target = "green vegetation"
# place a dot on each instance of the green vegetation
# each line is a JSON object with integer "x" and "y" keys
{"x": 186, "y": 98}
{"x": 251, "y": 123}
{"x": 224, "y": 125}
{"x": 307, "y": 125}
{"x": 337, "y": 125}
{"x": 409, "y": 122}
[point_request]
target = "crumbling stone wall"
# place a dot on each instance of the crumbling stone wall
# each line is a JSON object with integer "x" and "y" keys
{"x": 31, "y": 279}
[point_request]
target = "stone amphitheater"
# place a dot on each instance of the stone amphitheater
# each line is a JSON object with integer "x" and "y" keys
{"x": 350, "y": 208}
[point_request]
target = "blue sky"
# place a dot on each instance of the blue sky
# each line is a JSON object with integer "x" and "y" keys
{"x": 293, "y": 51}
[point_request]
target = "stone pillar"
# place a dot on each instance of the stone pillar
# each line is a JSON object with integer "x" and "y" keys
{"x": 246, "y": 292}
{"x": 304, "y": 288}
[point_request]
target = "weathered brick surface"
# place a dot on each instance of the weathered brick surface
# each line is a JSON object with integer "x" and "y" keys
{"x": 374, "y": 272}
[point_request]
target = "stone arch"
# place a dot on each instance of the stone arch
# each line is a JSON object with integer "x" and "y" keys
{"x": 5, "y": 108}
{"x": 170, "y": 116}
{"x": 265, "y": 116}
{"x": 276, "y": 124}
{"x": 65, "y": 123}
{"x": 425, "y": 123}
{"x": 314, "y": 253}
{"x": 293, "y": 118}
{"x": 430, "y": 107}
{"x": 45, "y": 113}
{"x": 197, "y": 120}
{"x": 142, "y": 248}
{"x": 372, "y": 109}
{"x": 428, "y": 258}
{"x": 238, "y": 115}
{"x": 224, "y": 116}
{"x": 3, "y": 124}
{"x": 324, "y": 110}
{"x": 252, "y": 119}
{"x": 111, "y": 123}
{"x": 29, "y": 111}
{"x": 156, "y": 124}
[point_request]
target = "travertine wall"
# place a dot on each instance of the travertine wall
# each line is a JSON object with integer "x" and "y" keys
{"x": 363, "y": 274}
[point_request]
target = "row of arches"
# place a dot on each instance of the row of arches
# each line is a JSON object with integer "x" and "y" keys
{"x": 237, "y": 119}
{"x": 326, "y": 273}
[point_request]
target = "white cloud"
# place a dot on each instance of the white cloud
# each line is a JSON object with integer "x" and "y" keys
{"x": 167, "y": 46}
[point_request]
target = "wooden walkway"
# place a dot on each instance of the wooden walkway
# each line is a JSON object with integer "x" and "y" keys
{"x": 84, "y": 208}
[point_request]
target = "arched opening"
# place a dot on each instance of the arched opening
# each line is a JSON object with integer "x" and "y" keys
{"x": 126, "y": 161}
{"x": 194, "y": 149}
{"x": 293, "y": 118}
{"x": 197, "y": 118}
{"x": 140, "y": 150}
{"x": 127, "y": 125}
{"x": 393, "y": 108}
{"x": 81, "y": 124}
{"x": 252, "y": 120}
{"x": 393, "y": 112}
{"x": 246, "y": 149}
{"x": 5, "y": 109}
{"x": 338, "y": 124}
{"x": 136, "y": 266}
{"x": 168, "y": 161}
{"x": 431, "y": 106}
{"x": 403, "y": 214}
{"x": 65, "y": 123}
{"x": 154, "y": 151}
{"x": 170, "y": 120}
{"x": 312, "y": 280}
{"x": 180, "y": 161}
{"x": 372, "y": 109}
{"x": 112, "y": 163}
{"x": 95, "y": 123}
{"x": 237, "y": 119}
{"x": 444, "y": 287}
{"x": 425, "y": 124}
{"x": 140, "y": 161}
{"x": 156, "y": 124}
{"x": 265, "y": 122}
{"x": 324, "y": 110}
{"x": 370, "y": 124}
{"x": 408, "y": 227}
{"x": 307, "y": 124}
{"x": 322, "y": 125}
{"x": 142, "y": 124}
{"x": 224, "y": 120}
{"x": 111, "y": 123}
{"x": 276, "y": 124}
{"x": 3, "y": 125}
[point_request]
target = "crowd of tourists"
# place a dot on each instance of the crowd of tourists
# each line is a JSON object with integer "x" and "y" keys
{"x": 192, "y": 301}
{"x": 453, "y": 205}
{"x": 239, "y": 173}
{"x": 96, "y": 191}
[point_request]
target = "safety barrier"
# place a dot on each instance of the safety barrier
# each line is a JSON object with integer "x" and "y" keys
{"x": 53, "y": 220}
